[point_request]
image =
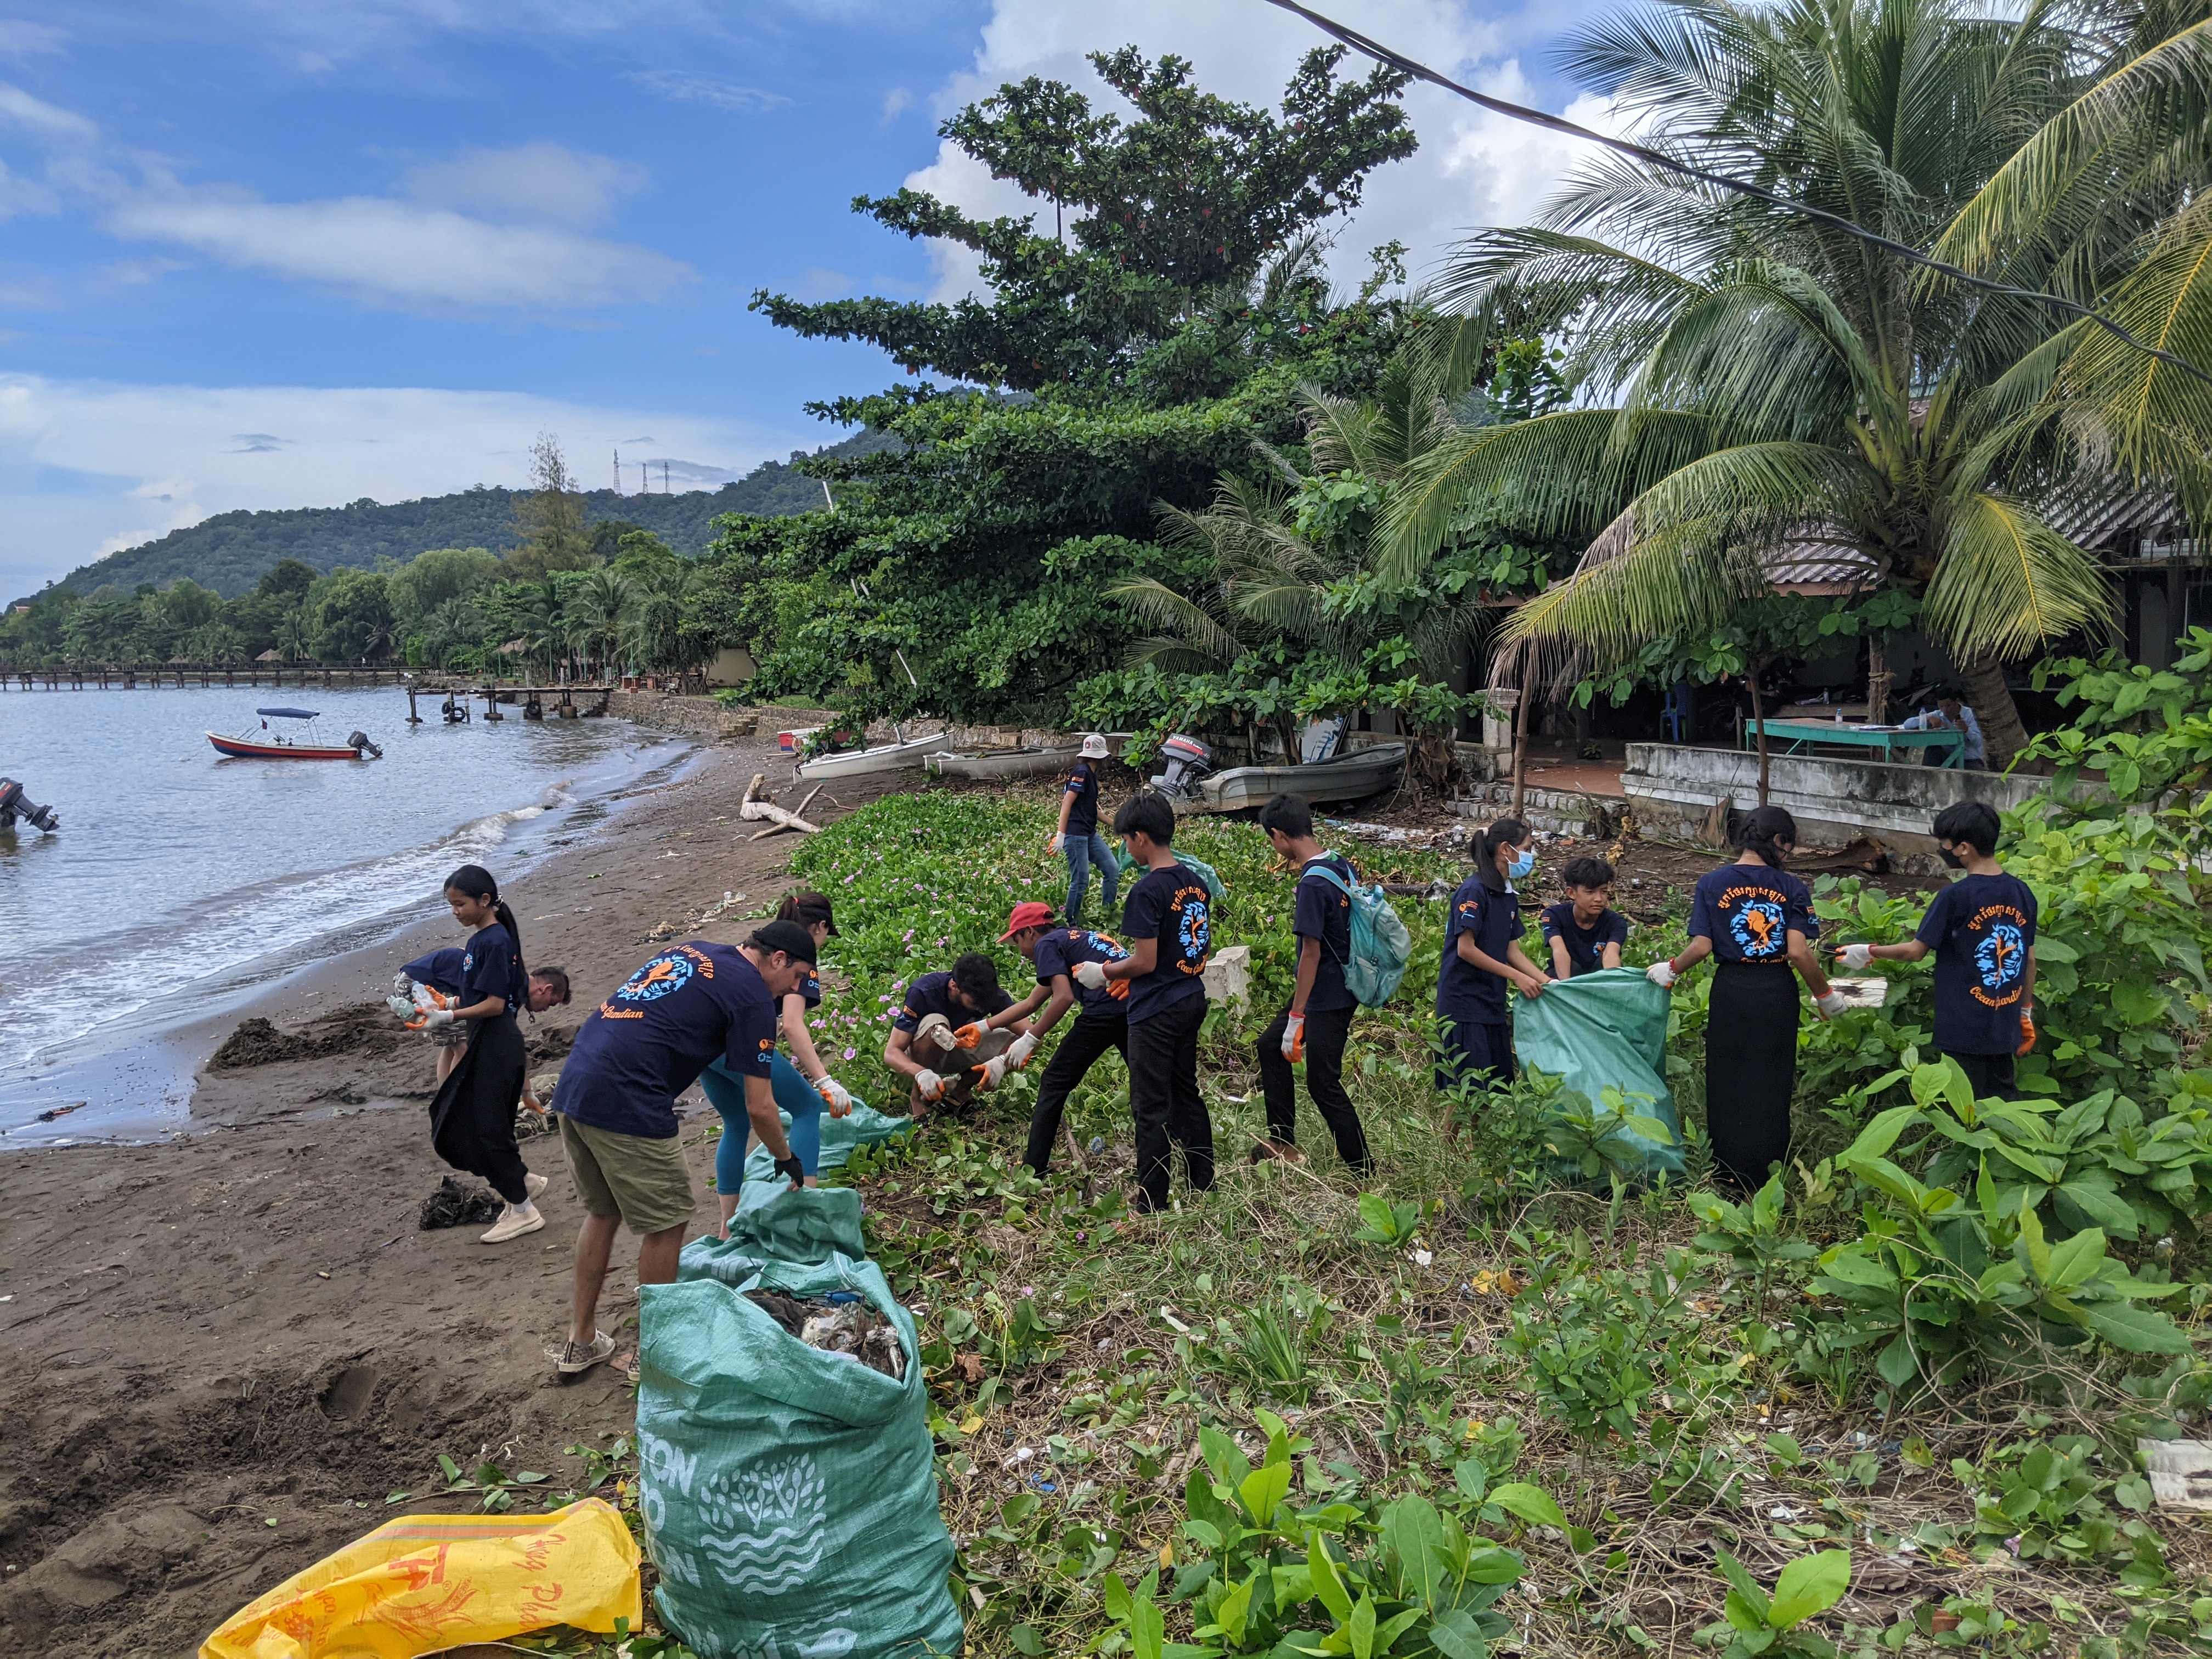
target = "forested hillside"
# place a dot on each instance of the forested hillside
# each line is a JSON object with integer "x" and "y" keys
{"x": 231, "y": 551}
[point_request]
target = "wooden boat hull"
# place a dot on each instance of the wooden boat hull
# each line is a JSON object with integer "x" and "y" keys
{"x": 859, "y": 763}
{"x": 1003, "y": 763}
{"x": 1350, "y": 776}
{"x": 241, "y": 749}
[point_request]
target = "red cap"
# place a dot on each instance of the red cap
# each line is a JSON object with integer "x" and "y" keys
{"x": 1029, "y": 913}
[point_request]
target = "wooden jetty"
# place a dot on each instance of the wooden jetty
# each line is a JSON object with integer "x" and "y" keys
{"x": 455, "y": 702}
{"x": 203, "y": 675}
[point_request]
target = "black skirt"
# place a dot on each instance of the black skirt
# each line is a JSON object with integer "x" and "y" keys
{"x": 472, "y": 1119}
{"x": 1750, "y": 1068}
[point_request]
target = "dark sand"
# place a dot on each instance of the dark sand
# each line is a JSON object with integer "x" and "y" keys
{"x": 244, "y": 1325}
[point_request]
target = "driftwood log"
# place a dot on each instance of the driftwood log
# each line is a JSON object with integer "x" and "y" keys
{"x": 757, "y": 805}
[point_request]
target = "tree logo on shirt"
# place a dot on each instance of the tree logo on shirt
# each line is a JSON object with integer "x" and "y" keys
{"x": 1757, "y": 929}
{"x": 2000, "y": 958}
{"x": 1194, "y": 928}
{"x": 657, "y": 979}
{"x": 1107, "y": 950}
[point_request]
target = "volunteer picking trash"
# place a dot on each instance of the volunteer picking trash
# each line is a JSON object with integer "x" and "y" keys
{"x": 427, "y": 990}
{"x": 1755, "y": 920}
{"x": 1582, "y": 932}
{"x": 1482, "y": 956}
{"x": 646, "y": 1044}
{"x": 1982, "y": 929}
{"x": 1316, "y": 1022}
{"x": 948, "y": 1030}
{"x": 1057, "y": 953}
{"x": 1078, "y": 835}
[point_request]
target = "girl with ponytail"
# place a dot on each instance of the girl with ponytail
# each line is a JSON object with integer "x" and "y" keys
{"x": 1482, "y": 957}
{"x": 472, "y": 1119}
{"x": 1755, "y": 920}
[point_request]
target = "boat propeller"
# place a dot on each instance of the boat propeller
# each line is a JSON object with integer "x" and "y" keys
{"x": 14, "y": 804}
{"x": 359, "y": 741}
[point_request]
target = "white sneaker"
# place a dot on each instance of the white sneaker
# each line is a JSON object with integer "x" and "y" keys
{"x": 516, "y": 1221}
{"x": 534, "y": 1183}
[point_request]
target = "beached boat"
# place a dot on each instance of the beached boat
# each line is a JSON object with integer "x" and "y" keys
{"x": 272, "y": 745}
{"x": 859, "y": 763}
{"x": 1352, "y": 775}
{"x": 1003, "y": 762}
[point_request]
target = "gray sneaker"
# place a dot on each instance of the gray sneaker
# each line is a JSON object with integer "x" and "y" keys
{"x": 576, "y": 1357}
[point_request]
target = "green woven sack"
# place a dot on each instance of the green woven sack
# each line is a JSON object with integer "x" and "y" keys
{"x": 1609, "y": 1027}
{"x": 789, "y": 1494}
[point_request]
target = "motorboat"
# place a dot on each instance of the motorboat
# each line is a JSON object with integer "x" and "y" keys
{"x": 277, "y": 743}
{"x": 994, "y": 763}
{"x": 1352, "y": 775}
{"x": 859, "y": 763}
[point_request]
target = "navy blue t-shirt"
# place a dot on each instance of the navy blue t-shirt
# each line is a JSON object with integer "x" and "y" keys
{"x": 490, "y": 968}
{"x": 1324, "y": 912}
{"x": 1064, "y": 949}
{"x": 1173, "y": 907}
{"x": 440, "y": 970}
{"x": 1748, "y": 910}
{"x": 809, "y": 988}
{"x": 928, "y": 995}
{"x": 1585, "y": 945}
{"x": 1465, "y": 992}
{"x": 1083, "y": 784}
{"x": 690, "y": 1005}
{"x": 1981, "y": 928}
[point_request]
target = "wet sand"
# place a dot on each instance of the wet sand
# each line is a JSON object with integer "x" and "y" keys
{"x": 244, "y": 1325}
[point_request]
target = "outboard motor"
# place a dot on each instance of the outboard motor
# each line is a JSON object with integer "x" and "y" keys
{"x": 359, "y": 741}
{"x": 1183, "y": 762}
{"x": 14, "y": 804}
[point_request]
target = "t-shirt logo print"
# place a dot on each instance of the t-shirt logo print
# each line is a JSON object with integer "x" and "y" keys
{"x": 1193, "y": 931}
{"x": 1757, "y": 928}
{"x": 657, "y": 979}
{"x": 1997, "y": 958}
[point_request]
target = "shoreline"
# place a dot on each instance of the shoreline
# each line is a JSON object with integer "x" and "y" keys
{"x": 243, "y": 1324}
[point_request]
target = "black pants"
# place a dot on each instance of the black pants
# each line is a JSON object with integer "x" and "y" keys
{"x": 1164, "y": 1098}
{"x": 472, "y": 1119}
{"x": 1991, "y": 1074}
{"x": 1091, "y": 1037}
{"x": 1750, "y": 1068}
{"x": 1327, "y": 1030}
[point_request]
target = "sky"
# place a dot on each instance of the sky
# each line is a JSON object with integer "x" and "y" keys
{"x": 264, "y": 253}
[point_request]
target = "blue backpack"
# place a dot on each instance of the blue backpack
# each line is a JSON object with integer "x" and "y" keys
{"x": 1381, "y": 945}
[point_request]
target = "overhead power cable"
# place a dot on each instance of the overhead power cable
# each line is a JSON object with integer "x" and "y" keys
{"x": 1382, "y": 54}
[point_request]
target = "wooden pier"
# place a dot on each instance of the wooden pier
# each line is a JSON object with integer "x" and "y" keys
{"x": 455, "y": 700}
{"x": 204, "y": 676}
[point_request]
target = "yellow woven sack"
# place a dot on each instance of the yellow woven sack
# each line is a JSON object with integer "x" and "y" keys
{"x": 424, "y": 1582}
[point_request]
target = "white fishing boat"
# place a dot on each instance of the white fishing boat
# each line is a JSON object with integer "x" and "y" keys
{"x": 911, "y": 752}
{"x": 993, "y": 763}
{"x": 1353, "y": 775}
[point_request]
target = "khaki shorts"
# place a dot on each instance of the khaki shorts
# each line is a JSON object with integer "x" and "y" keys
{"x": 642, "y": 1180}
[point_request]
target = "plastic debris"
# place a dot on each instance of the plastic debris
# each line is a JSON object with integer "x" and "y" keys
{"x": 839, "y": 1322}
{"x": 455, "y": 1205}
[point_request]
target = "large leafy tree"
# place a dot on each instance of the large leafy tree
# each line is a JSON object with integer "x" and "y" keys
{"x": 1751, "y": 376}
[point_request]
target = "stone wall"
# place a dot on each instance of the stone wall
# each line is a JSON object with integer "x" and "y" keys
{"x": 1671, "y": 788}
{"x": 702, "y": 717}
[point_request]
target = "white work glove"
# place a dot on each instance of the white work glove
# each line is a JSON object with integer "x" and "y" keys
{"x": 1058, "y": 841}
{"x": 928, "y": 1085}
{"x": 1019, "y": 1051}
{"x": 403, "y": 985}
{"x": 945, "y": 1037}
{"x": 1091, "y": 975}
{"x": 1832, "y": 1005}
{"x": 835, "y": 1094}
{"x": 403, "y": 1006}
{"x": 1662, "y": 974}
{"x": 1856, "y": 957}
{"x": 994, "y": 1071}
{"x": 1294, "y": 1038}
{"x": 432, "y": 1018}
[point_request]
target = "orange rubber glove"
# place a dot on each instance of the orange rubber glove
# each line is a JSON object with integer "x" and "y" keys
{"x": 1294, "y": 1039}
{"x": 2026, "y": 1031}
{"x": 968, "y": 1036}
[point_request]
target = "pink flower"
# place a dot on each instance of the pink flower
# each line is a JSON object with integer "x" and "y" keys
{"x": 907, "y": 937}
{"x": 850, "y": 1053}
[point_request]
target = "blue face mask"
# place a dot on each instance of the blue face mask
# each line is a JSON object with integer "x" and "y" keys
{"x": 1524, "y": 862}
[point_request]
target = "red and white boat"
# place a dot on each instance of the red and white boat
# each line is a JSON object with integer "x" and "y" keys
{"x": 272, "y": 743}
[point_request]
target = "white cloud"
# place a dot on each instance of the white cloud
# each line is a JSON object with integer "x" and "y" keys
{"x": 689, "y": 87}
{"x": 47, "y": 122}
{"x": 87, "y": 467}
{"x": 543, "y": 181}
{"x": 1473, "y": 168}
{"x": 20, "y": 37}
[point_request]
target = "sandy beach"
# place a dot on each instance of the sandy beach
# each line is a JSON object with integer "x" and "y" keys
{"x": 222, "y": 1355}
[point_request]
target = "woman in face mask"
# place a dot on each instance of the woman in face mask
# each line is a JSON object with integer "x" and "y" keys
{"x": 1755, "y": 920}
{"x": 1482, "y": 956}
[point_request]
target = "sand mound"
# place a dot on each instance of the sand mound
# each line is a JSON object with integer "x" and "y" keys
{"x": 364, "y": 1027}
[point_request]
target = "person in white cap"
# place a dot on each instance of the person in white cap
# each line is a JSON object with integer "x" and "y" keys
{"x": 1078, "y": 835}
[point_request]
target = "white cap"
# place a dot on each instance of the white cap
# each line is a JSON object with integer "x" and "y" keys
{"x": 1094, "y": 746}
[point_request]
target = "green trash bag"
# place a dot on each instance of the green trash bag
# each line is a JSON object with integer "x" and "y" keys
{"x": 1607, "y": 1029}
{"x": 1217, "y": 889}
{"x": 789, "y": 1494}
{"x": 863, "y": 1126}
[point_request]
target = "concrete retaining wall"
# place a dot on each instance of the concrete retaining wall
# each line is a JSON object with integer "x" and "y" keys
{"x": 1671, "y": 788}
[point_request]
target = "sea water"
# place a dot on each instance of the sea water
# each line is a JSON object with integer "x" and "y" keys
{"x": 181, "y": 883}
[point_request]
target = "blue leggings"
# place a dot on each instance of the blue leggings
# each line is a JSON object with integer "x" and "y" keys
{"x": 794, "y": 1095}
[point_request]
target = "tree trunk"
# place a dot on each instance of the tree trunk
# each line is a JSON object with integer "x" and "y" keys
{"x": 2002, "y": 735}
{"x": 1877, "y": 680}
{"x": 1521, "y": 750}
{"x": 1759, "y": 719}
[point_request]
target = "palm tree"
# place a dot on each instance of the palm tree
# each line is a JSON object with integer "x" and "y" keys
{"x": 597, "y": 611}
{"x": 452, "y": 627}
{"x": 294, "y": 633}
{"x": 1772, "y": 377}
{"x": 653, "y": 634}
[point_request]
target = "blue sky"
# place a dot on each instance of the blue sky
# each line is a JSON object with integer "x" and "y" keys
{"x": 285, "y": 252}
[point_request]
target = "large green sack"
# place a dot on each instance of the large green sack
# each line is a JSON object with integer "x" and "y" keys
{"x": 789, "y": 1494}
{"x": 1601, "y": 1030}
{"x": 863, "y": 1126}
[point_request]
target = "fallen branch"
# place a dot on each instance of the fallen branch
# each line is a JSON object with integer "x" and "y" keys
{"x": 756, "y": 806}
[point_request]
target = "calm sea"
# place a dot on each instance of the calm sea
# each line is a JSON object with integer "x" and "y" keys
{"x": 181, "y": 884}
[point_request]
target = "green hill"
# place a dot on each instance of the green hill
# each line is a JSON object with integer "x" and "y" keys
{"x": 230, "y": 552}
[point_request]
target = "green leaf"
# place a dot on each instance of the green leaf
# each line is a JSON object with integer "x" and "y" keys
{"x": 1387, "y": 1632}
{"x": 1360, "y": 1627}
{"x": 1741, "y": 1612}
{"x": 1117, "y": 1598}
{"x": 2073, "y": 1262}
{"x": 1531, "y": 1504}
{"x": 1024, "y": 1638}
{"x": 1744, "y": 1588}
{"x": 1810, "y": 1584}
{"x": 1230, "y": 1466}
{"x": 1147, "y": 1629}
{"x": 2137, "y": 1330}
{"x": 1881, "y": 1133}
{"x": 1456, "y": 1636}
{"x": 1327, "y": 1584}
{"x": 1234, "y": 1609}
{"x": 1262, "y": 1490}
{"x": 1416, "y": 1533}
{"x": 1495, "y": 1567}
